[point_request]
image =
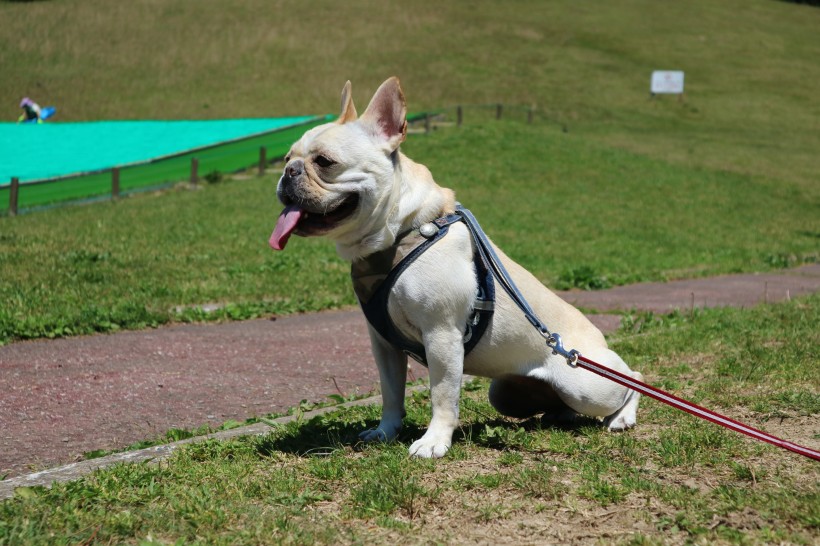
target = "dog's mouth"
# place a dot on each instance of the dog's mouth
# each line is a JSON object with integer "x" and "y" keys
{"x": 297, "y": 219}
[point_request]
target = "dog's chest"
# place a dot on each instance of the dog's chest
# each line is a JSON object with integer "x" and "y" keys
{"x": 369, "y": 274}
{"x": 374, "y": 276}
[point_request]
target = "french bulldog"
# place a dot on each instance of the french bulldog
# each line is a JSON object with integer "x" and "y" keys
{"x": 347, "y": 180}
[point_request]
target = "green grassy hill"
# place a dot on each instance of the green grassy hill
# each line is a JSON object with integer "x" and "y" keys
{"x": 607, "y": 185}
{"x": 574, "y": 211}
{"x": 750, "y": 66}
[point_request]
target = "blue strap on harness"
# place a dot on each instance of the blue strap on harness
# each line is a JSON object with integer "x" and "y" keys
{"x": 502, "y": 276}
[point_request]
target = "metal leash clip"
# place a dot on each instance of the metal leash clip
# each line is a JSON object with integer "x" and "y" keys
{"x": 554, "y": 343}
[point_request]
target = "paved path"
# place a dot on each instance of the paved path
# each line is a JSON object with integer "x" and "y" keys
{"x": 743, "y": 290}
{"x": 61, "y": 398}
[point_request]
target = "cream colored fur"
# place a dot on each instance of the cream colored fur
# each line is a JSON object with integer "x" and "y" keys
{"x": 433, "y": 298}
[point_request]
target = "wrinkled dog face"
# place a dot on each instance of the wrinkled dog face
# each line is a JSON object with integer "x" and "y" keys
{"x": 317, "y": 187}
{"x": 339, "y": 178}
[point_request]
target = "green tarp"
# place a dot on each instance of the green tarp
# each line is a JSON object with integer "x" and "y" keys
{"x": 51, "y": 149}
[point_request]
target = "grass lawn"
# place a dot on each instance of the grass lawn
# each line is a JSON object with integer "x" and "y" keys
{"x": 574, "y": 211}
{"x": 605, "y": 187}
{"x": 672, "y": 480}
{"x": 750, "y": 66}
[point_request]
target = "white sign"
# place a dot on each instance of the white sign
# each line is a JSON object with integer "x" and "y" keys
{"x": 667, "y": 81}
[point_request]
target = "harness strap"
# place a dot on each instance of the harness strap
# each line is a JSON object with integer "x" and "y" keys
{"x": 374, "y": 305}
{"x": 499, "y": 271}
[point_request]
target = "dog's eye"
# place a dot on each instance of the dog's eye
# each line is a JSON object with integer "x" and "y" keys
{"x": 324, "y": 161}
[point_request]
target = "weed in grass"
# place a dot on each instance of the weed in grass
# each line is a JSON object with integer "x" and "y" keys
{"x": 214, "y": 177}
{"x": 691, "y": 442}
{"x": 388, "y": 522}
{"x": 562, "y": 442}
{"x": 492, "y": 480}
{"x": 488, "y": 512}
{"x": 540, "y": 482}
{"x": 638, "y": 479}
{"x": 460, "y": 450}
{"x": 510, "y": 458}
{"x": 680, "y": 523}
{"x": 299, "y": 500}
{"x": 584, "y": 277}
{"x": 638, "y": 539}
{"x": 801, "y": 401}
{"x": 503, "y": 435}
{"x": 474, "y": 384}
{"x": 210, "y": 450}
{"x": 388, "y": 483}
{"x": 783, "y": 261}
{"x": 639, "y": 322}
{"x": 329, "y": 467}
{"x": 629, "y": 450}
{"x": 601, "y": 490}
{"x": 600, "y": 478}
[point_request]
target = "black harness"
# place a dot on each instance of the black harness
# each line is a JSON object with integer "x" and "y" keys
{"x": 375, "y": 275}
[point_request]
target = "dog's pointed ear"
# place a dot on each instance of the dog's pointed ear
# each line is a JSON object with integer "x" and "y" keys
{"x": 386, "y": 115}
{"x": 348, "y": 109}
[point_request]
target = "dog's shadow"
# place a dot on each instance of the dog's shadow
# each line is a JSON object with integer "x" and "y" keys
{"x": 321, "y": 436}
{"x": 504, "y": 433}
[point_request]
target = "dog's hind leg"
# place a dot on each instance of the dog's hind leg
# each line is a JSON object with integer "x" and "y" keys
{"x": 522, "y": 397}
{"x": 626, "y": 416}
{"x": 596, "y": 396}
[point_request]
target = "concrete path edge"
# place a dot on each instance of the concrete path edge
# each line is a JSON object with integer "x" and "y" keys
{"x": 77, "y": 470}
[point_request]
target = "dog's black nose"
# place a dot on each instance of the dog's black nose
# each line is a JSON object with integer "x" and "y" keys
{"x": 295, "y": 168}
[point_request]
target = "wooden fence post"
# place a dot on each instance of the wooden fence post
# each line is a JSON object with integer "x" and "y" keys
{"x": 530, "y": 114}
{"x": 498, "y": 111}
{"x": 263, "y": 160}
{"x": 427, "y": 123}
{"x": 115, "y": 183}
{"x": 459, "y": 115}
{"x": 13, "y": 190}
{"x": 194, "y": 168}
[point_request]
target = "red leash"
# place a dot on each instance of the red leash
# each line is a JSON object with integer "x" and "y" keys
{"x": 574, "y": 358}
{"x": 689, "y": 407}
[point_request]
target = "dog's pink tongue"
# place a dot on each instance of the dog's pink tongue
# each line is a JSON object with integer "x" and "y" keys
{"x": 284, "y": 227}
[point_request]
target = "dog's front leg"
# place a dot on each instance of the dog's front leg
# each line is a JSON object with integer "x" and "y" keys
{"x": 445, "y": 358}
{"x": 392, "y": 365}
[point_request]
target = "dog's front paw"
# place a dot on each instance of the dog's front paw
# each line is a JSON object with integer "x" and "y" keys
{"x": 381, "y": 433}
{"x": 430, "y": 447}
{"x": 373, "y": 435}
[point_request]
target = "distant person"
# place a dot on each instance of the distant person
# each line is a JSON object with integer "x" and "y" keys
{"x": 32, "y": 113}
